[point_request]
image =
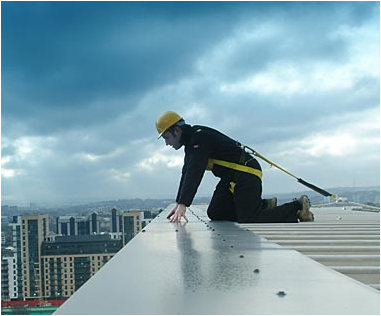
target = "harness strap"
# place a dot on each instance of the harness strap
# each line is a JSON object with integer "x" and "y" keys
{"x": 234, "y": 166}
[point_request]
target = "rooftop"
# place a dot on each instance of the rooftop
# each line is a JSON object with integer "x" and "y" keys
{"x": 204, "y": 267}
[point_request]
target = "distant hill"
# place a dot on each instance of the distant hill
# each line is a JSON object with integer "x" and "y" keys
{"x": 364, "y": 195}
{"x": 360, "y": 195}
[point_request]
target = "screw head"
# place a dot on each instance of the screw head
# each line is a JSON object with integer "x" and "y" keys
{"x": 281, "y": 293}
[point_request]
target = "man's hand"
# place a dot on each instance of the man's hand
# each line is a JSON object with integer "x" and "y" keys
{"x": 177, "y": 212}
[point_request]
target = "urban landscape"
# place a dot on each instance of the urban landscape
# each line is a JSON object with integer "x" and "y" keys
{"x": 48, "y": 253}
{"x": 46, "y": 258}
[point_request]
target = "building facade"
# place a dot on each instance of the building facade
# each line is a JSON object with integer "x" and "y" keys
{"x": 116, "y": 222}
{"x": 40, "y": 266}
{"x": 23, "y": 265}
{"x": 78, "y": 225}
{"x": 34, "y": 229}
{"x": 69, "y": 261}
{"x": 8, "y": 278}
{"x": 131, "y": 225}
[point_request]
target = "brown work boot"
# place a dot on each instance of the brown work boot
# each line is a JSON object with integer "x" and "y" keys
{"x": 305, "y": 215}
{"x": 270, "y": 203}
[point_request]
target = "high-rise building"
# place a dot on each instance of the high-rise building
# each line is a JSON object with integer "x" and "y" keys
{"x": 116, "y": 223}
{"x": 78, "y": 225}
{"x": 39, "y": 266}
{"x": 69, "y": 261}
{"x": 131, "y": 225}
{"x": 8, "y": 277}
{"x": 28, "y": 232}
{"x": 15, "y": 290}
{"x": 34, "y": 229}
{"x": 23, "y": 264}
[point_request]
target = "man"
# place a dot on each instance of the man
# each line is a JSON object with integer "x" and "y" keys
{"x": 238, "y": 195}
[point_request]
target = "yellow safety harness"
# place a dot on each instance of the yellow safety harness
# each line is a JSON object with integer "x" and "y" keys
{"x": 234, "y": 166}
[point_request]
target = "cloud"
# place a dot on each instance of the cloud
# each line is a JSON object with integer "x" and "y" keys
{"x": 89, "y": 66}
{"x": 83, "y": 83}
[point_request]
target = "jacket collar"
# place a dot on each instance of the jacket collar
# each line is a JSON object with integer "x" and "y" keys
{"x": 186, "y": 135}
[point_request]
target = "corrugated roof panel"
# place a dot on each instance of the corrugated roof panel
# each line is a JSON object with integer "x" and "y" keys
{"x": 345, "y": 240}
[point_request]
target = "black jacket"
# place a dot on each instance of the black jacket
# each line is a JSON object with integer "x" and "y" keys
{"x": 201, "y": 144}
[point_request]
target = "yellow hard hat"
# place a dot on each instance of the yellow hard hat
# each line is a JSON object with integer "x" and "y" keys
{"x": 165, "y": 121}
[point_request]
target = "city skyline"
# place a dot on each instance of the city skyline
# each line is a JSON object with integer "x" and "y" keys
{"x": 83, "y": 83}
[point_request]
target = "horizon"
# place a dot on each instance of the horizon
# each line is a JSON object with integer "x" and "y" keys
{"x": 27, "y": 204}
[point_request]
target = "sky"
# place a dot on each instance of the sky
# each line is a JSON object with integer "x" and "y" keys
{"x": 82, "y": 84}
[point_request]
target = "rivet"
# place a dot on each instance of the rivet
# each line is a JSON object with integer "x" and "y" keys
{"x": 281, "y": 293}
{"x": 241, "y": 256}
{"x": 177, "y": 230}
{"x": 231, "y": 246}
{"x": 256, "y": 270}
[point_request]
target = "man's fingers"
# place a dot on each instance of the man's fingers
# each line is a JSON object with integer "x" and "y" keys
{"x": 176, "y": 215}
{"x": 170, "y": 214}
{"x": 177, "y": 218}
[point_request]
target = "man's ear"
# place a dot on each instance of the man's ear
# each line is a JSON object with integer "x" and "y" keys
{"x": 178, "y": 131}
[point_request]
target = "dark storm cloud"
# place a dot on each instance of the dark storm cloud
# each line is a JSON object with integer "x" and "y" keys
{"x": 71, "y": 55}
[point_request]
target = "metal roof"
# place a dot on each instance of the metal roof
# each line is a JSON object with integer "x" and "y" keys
{"x": 204, "y": 267}
{"x": 345, "y": 240}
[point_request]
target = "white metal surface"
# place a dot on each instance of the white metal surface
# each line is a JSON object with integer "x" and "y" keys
{"x": 204, "y": 267}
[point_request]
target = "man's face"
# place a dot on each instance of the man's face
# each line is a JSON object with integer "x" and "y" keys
{"x": 173, "y": 139}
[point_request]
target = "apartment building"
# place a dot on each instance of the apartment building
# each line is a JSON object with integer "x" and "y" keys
{"x": 78, "y": 225}
{"x": 131, "y": 225}
{"x": 39, "y": 266}
{"x": 69, "y": 261}
{"x": 21, "y": 270}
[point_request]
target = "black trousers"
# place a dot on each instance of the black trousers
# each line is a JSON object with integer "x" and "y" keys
{"x": 245, "y": 205}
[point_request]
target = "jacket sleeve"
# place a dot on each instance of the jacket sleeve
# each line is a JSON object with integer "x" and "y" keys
{"x": 196, "y": 160}
{"x": 182, "y": 180}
